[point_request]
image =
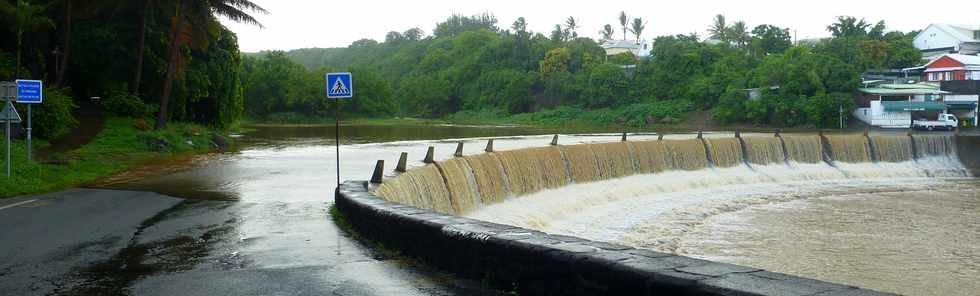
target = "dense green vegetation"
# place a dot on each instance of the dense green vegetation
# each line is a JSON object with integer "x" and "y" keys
{"x": 168, "y": 62}
{"x": 471, "y": 68}
{"x": 173, "y": 54}
{"x": 123, "y": 144}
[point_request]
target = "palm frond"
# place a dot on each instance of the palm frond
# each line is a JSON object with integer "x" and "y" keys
{"x": 234, "y": 14}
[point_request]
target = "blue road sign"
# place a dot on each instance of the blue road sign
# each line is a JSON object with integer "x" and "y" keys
{"x": 339, "y": 85}
{"x": 29, "y": 91}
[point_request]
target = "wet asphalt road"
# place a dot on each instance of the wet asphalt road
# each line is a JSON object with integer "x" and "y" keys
{"x": 113, "y": 242}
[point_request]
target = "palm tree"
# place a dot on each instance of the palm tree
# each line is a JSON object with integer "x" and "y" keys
{"x": 637, "y": 28}
{"x": 718, "y": 28}
{"x": 607, "y": 32}
{"x": 571, "y": 25}
{"x": 196, "y": 17}
{"x": 622, "y": 22}
{"x": 738, "y": 33}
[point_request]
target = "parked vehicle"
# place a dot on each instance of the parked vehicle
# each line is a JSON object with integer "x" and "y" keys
{"x": 945, "y": 121}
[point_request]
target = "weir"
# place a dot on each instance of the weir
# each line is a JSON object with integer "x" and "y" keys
{"x": 463, "y": 184}
{"x": 441, "y": 194}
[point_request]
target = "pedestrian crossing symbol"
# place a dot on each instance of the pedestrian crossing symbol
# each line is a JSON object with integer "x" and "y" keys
{"x": 339, "y": 85}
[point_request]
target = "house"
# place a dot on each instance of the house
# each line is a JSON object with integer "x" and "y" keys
{"x": 895, "y": 105}
{"x": 938, "y": 39}
{"x": 614, "y": 47}
{"x": 952, "y": 67}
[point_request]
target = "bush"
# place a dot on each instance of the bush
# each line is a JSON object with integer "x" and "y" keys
{"x": 54, "y": 117}
{"x": 123, "y": 104}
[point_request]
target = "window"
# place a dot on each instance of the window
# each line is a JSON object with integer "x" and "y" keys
{"x": 933, "y": 76}
{"x": 947, "y": 76}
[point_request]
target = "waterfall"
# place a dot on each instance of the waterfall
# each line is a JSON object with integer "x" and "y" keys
{"x": 488, "y": 174}
{"x": 464, "y": 184}
{"x": 461, "y": 184}
{"x": 725, "y": 152}
{"x": 650, "y": 156}
{"x": 581, "y": 162}
{"x": 686, "y": 154}
{"x": 804, "y": 149}
{"x": 850, "y": 148}
{"x": 934, "y": 145}
{"x": 764, "y": 151}
{"x": 533, "y": 169}
{"x": 614, "y": 160}
{"x": 892, "y": 148}
{"x": 420, "y": 187}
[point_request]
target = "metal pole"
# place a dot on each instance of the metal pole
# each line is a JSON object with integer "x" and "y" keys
{"x": 8, "y": 137}
{"x": 337, "y": 133}
{"x": 28, "y": 132}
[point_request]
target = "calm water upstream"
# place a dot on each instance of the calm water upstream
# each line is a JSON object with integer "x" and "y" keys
{"x": 882, "y": 227}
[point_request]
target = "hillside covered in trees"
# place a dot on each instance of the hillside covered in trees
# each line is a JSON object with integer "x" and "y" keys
{"x": 138, "y": 56}
{"x": 472, "y": 67}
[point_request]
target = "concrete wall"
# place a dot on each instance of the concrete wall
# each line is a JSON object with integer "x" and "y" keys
{"x": 968, "y": 150}
{"x": 536, "y": 263}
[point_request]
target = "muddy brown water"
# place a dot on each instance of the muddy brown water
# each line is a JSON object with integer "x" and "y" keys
{"x": 282, "y": 179}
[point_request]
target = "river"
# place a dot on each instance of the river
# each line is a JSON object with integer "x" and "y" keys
{"x": 902, "y": 231}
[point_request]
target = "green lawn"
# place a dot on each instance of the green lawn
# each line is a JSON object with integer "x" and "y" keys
{"x": 118, "y": 147}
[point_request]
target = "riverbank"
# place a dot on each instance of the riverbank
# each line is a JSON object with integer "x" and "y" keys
{"x": 123, "y": 144}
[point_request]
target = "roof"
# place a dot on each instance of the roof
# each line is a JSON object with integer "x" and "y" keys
{"x": 901, "y": 91}
{"x": 969, "y": 60}
{"x": 961, "y": 33}
{"x": 607, "y": 44}
{"x": 913, "y": 106}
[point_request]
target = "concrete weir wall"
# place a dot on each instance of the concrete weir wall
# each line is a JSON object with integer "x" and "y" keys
{"x": 535, "y": 263}
{"x": 968, "y": 151}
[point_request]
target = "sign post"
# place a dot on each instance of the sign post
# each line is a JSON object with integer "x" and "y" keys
{"x": 339, "y": 86}
{"x": 8, "y": 115}
{"x": 29, "y": 92}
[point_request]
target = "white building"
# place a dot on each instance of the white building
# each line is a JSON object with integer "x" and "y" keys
{"x": 638, "y": 49}
{"x": 938, "y": 39}
{"x": 895, "y": 105}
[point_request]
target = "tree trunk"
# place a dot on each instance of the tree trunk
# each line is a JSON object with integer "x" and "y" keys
{"x": 20, "y": 36}
{"x": 168, "y": 79}
{"x": 60, "y": 78}
{"x": 134, "y": 87}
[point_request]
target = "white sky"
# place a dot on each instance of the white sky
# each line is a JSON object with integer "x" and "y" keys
{"x": 295, "y": 24}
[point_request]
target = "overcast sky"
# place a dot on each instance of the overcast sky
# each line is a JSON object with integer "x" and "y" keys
{"x": 295, "y": 24}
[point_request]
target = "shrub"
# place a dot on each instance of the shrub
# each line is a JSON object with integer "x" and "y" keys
{"x": 121, "y": 103}
{"x": 54, "y": 117}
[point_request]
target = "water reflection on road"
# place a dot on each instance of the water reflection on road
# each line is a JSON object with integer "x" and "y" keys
{"x": 270, "y": 200}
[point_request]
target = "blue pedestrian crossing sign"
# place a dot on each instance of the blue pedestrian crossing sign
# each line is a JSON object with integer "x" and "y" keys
{"x": 339, "y": 85}
{"x": 29, "y": 91}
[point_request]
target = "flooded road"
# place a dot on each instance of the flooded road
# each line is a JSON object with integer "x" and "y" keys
{"x": 256, "y": 221}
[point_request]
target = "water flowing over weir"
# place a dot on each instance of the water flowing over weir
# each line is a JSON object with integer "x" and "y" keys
{"x": 464, "y": 184}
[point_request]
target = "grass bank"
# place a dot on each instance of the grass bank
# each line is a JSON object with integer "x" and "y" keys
{"x": 120, "y": 146}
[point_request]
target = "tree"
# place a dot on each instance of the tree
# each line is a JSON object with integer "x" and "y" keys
{"x": 28, "y": 17}
{"x": 622, "y": 22}
{"x": 558, "y": 34}
{"x": 718, "y": 29}
{"x": 134, "y": 87}
{"x": 769, "y": 39}
{"x": 738, "y": 34}
{"x": 849, "y": 26}
{"x": 413, "y": 34}
{"x": 457, "y": 24}
{"x": 637, "y": 28}
{"x": 607, "y": 32}
{"x": 571, "y": 25}
{"x": 197, "y": 16}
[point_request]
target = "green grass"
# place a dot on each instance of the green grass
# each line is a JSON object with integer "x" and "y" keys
{"x": 118, "y": 147}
